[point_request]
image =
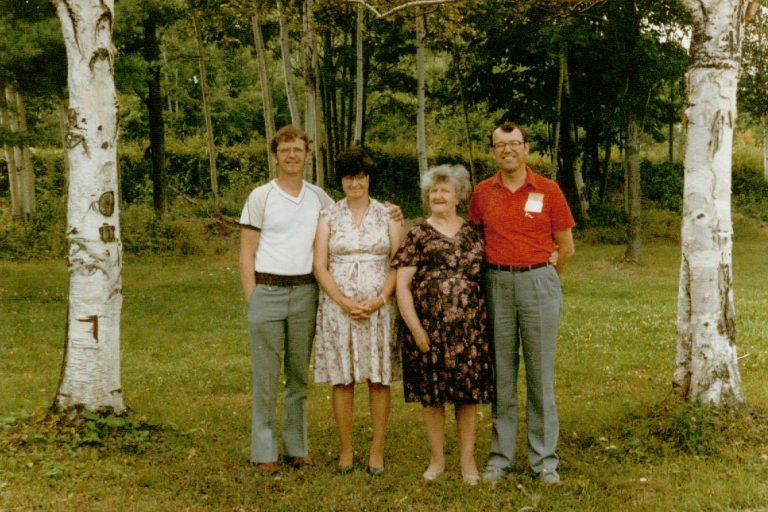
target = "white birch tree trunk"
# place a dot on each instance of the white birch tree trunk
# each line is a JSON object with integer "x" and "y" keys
{"x": 266, "y": 87}
{"x": 10, "y": 161}
{"x": 285, "y": 51}
{"x": 360, "y": 78}
{"x": 421, "y": 129}
{"x": 206, "y": 112}
{"x": 706, "y": 363}
{"x": 90, "y": 374}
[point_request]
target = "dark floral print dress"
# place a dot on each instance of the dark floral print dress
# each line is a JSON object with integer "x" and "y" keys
{"x": 449, "y": 300}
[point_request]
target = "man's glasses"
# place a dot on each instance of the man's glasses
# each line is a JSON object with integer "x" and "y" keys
{"x": 291, "y": 151}
{"x": 513, "y": 144}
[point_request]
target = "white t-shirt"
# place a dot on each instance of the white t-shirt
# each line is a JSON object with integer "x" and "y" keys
{"x": 287, "y": 225}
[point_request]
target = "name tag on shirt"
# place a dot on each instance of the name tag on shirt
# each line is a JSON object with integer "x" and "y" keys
{"x": 535, "y": 203}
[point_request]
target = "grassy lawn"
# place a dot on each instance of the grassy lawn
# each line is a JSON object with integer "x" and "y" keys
{"x": 625, "y": 443}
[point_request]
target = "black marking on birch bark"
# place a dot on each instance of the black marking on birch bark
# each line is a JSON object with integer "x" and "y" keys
{"x": 72, "y": 140}
{"x": 715, "y": 130}
{"x": 100, "y": 54}
{"x": 107, "y": 203}
{"x": 73, "y": 19}
{"x": 94, "y": 319}
{"x": 727, "y": 325}
{"x": 107, "y": 233}
{"x": 117, "y": 391}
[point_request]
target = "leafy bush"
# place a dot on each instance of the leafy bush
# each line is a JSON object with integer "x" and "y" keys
{"x": 662, "y": 183}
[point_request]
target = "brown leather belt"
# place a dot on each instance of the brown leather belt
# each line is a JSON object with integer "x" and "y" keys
{"x": 278, "y": 280}
{"x": 515, "y": 268}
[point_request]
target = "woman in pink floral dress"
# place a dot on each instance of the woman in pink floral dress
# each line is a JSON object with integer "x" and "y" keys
{"x": 355, "y": 338}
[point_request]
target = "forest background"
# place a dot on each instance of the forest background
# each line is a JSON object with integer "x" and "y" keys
{"x": 600, "y": 87}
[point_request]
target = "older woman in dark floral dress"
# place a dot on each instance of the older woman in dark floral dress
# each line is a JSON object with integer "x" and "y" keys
{"x": 446, "y": 353}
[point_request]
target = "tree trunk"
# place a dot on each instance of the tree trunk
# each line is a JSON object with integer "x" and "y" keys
{"x": 359, "y": 76}
{"x": 314, "y": 170}
{"x": 6, "y": 120}
{"x": 671, "y": 125}
{"x": 634, "y": 230}
{"x": 606, "y": 168}
{"x": 207, "y": 113}
{"x": 154, "y": 101}
{"x": 285, "y": 51}
{"x": 465, "y": 116}
{"x": 765, "y": 154}
{"x": 421, "y": 129}
{"x": 27, "y": 182}
{"x": 266, "y": 88}
{"x": 90, "y": 374}
{"x": 575, "y": 158}
{"x": 562, "y": 62}
{"x": 706, "y": 363}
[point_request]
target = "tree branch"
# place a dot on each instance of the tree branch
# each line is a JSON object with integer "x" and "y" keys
{"x": 413, "y": 3}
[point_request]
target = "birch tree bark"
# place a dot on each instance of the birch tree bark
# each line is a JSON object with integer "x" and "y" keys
{"x": 266, "y": 87}
{"x": 285, "y": 51}
{"x": 706, "y": 363}
{"x": 421, "y": 129}
{"x": 206, "y": 112}
{"x": 90, "y": 374}
{"x": 314, "y": 171}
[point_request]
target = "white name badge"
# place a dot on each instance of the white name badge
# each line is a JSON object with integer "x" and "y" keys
{"x": 535, "y": 203}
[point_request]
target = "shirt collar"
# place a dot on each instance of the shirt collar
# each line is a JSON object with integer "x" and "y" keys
{"x": 530, "y": 179}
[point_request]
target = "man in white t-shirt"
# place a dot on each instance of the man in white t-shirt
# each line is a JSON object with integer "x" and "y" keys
{"x": 277, "y": 231}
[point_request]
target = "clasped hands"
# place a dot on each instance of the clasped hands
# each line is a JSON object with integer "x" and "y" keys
{"x": 361, "y": 310}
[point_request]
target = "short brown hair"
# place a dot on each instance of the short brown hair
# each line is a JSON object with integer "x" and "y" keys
{"x": 508, "y": 127}
{"x": 288, "y": 133}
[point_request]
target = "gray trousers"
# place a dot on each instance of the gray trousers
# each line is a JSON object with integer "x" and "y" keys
{"x": 282, "y": 323}
{"x": 524, "y": 310}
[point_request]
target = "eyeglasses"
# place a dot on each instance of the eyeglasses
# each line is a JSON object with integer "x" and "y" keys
{"x": 360, "y": 178}
{"x": 513, "y": 144}
{"x": 291, "y": 151}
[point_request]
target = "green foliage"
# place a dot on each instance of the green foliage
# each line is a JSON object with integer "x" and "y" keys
{"x": 662, "y": 183}
{"x": 76, "y": 428}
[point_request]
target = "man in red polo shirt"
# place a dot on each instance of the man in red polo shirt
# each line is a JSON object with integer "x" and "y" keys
{"x": 525, "y": 217}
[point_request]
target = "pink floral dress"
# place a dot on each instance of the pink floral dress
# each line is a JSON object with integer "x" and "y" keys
{"x": 349, "y": 350}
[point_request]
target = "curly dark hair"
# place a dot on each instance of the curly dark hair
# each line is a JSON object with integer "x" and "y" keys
{"x": 351, "y": 162}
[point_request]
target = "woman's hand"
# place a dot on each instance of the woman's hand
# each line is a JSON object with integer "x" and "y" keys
{"x": 371, "y": 305}
{"x": 421, "y": 338}
{"x": 353, "y": 308}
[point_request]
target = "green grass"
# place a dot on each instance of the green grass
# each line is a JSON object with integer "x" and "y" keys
{"x": 626, "y": 444}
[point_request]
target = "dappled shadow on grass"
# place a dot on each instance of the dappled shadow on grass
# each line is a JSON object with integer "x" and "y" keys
{"x": 77, "y": 428}
{"x": 674, "y": 428}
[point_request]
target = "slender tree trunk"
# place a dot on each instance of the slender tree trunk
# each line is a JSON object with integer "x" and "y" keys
{"x": 285, "y": 51}
{"x": 577, "y": 160}
{"x": 90, "y": 374}
{"x": 27, "y": 184}
{"x": 765, "y": 153}
{"x": 6, "y": 120}
{"x": 154, "y": 101}
{"x": 421, "y": 129}
{"x": 706, "y": 363}
{"x": 606, "y": 169}
{"x": 309, "y": 90}
{"x": 359, "y": 76}
{"x": 634, "y": 230}
{"x": 465, "y": 117}
{"x": 207, "y": 112}
{"x": 562, "y": 62}
{"x": 266, "y": 87}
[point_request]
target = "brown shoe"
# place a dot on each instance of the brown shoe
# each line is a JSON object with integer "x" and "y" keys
{"x": 268, "y": 469}
{"x": 299, "y": 462}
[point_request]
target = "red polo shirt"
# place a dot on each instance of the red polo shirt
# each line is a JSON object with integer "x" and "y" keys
{"x": 519, "y": 225}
